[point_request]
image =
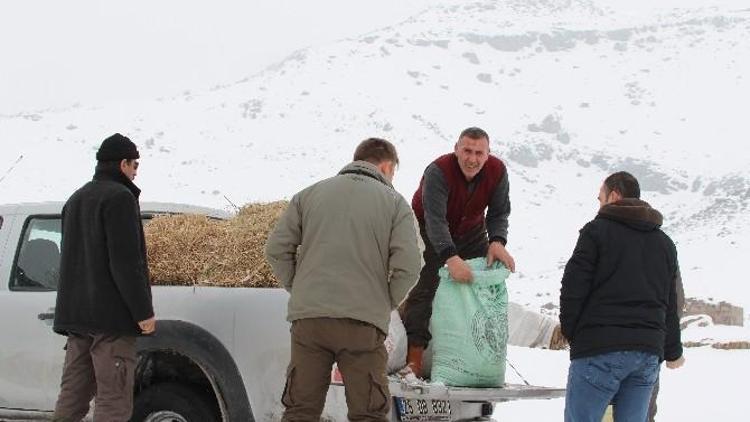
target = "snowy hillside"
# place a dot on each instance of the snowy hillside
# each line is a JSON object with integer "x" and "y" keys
{"x": 569, "y": 91}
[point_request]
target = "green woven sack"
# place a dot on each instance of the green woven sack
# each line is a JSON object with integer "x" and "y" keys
{"x": 470, "y": 328}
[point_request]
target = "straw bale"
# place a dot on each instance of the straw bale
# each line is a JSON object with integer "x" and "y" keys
{"x": 197, "y": 250}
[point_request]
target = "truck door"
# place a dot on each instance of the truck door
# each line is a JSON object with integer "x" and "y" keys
{"x": 31, "y": 354}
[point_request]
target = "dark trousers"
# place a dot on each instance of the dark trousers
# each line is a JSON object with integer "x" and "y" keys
{"x": 418, "y": 305}
{"x": 357, "y": 348}
{"x": 101, "y": 366}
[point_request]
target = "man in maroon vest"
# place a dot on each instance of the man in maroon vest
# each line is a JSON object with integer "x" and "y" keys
{"x": 450, "y": 205}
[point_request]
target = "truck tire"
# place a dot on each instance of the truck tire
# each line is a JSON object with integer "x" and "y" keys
{"x": 170, "y": 402}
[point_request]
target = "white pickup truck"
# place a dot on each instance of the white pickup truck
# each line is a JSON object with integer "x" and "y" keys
{"x": 219, "y": 354}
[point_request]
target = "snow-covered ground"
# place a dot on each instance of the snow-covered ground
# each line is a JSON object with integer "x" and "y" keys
{"x": 711, "y": 386}
{"x": 569, "y": 90}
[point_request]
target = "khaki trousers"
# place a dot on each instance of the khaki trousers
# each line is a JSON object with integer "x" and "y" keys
{"x": 357, "y": 348}
{"x": 101, "y": 366}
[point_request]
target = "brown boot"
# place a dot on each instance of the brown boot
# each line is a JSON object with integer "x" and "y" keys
{"x": 558, "y": 341}
{"x": 414, "y": 359}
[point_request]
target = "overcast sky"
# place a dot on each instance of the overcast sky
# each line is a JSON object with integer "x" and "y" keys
{"x": 57, "y": 53}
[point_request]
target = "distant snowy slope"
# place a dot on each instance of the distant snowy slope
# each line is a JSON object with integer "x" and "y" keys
{"x": 568, "y": 90}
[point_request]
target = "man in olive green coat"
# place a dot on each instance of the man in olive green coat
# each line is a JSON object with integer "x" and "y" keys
{"x": 346, "y": 250}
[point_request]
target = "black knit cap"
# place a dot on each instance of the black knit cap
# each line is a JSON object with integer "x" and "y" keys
{"x": 116, "y": 148}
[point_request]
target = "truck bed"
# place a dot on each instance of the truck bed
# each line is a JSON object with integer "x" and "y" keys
{"x": 422, "y": 401}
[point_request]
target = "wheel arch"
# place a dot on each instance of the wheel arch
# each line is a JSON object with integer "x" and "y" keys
{"x": 203, "y": 350}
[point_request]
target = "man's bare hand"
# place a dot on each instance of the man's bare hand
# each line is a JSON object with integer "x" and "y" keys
{"x": 674, "y": 364}
{"x": 148, "y": 326}
{"x": 497, "y": 252}
{"x": 459, "y": 269}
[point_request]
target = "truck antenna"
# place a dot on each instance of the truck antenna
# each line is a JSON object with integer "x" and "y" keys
{"x": 236, "y": 208}
{"x": 18, "y": 160}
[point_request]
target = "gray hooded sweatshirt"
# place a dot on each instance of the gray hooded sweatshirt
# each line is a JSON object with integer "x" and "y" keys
{"x": 346, "y": 248}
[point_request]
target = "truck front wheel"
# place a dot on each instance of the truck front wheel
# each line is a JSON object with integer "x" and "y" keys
{"x": 170, "y": 402}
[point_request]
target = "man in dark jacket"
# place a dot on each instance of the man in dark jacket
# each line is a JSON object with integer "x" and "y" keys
{"x": 104, "y": 295}
{"x": 450, "y": 205}
{"x": 618, "y": 306}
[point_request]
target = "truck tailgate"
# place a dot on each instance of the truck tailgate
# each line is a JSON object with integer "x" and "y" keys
{"x": 418, "y": 401}
{"x": 400, "y": 388}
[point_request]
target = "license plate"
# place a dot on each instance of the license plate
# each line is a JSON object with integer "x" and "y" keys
{"x": 410, "y": 410}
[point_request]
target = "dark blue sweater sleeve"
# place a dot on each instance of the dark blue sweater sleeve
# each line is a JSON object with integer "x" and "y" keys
{"x": 498, "y": 212}
{"x": 435, "y": 202}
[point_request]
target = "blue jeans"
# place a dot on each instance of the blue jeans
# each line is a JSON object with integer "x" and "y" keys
{"x": 625, "y": 379}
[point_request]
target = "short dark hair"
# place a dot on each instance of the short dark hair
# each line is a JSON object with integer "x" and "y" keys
{"x": 117, "y": 162}
{"x": 375, "y": 151}
{"x": 108, "y": 165}
{"x": 623, "y": 183}
{"x": 474, "y": 133}
{"x": 111, "y": 165}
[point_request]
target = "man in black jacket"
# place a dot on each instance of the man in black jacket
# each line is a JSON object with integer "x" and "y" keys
{"x": 104, "y": 295}
{"x": 618, "y": 306}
